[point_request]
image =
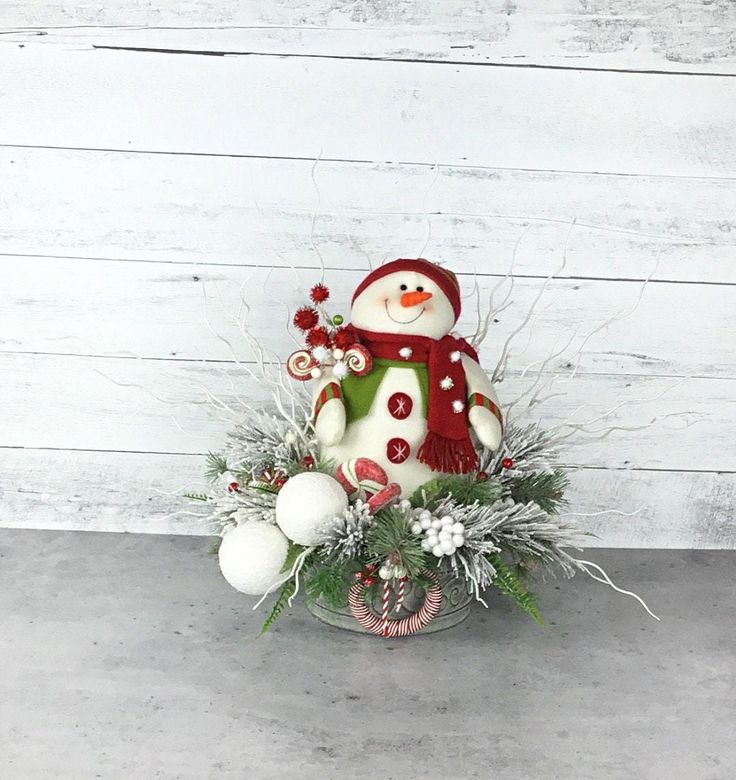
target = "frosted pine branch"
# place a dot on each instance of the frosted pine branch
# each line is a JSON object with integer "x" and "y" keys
{"x": 346, "y": 538}
{"x": 265, "y": 441}
{"x": 531, "y": 448}
{"x": 241, "y": 506}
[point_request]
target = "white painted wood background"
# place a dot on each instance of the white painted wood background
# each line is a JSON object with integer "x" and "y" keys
{"x": 157, "y": 158}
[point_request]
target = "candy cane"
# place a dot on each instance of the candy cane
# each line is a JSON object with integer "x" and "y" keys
{"x": 396, "y": 627}
{"x": 384, "y": 615}
{"x": 400, "y": 594}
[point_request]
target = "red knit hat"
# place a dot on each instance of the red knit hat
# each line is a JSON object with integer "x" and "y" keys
{"x": 442, "y": 277}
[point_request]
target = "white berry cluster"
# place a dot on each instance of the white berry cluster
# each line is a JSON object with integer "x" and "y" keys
{"x": 442, "y": 536}
{"x": 330, "y": 357}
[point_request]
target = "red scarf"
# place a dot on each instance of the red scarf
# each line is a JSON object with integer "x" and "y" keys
{"x": 447, "y": 447}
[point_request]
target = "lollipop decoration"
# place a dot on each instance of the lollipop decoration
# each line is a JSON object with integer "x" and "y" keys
{"x": 328, "y": 345}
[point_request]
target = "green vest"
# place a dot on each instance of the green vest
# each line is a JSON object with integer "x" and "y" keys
{"x": 359, "y": 392}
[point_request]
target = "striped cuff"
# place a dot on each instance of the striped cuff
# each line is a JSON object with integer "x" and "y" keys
{"x": 477, "y": 399}
{"x": 329, "y": 391}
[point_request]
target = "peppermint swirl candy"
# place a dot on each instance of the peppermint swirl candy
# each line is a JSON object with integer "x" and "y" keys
{"x": 358, "y": 359}
{"x": 300, "y": 365}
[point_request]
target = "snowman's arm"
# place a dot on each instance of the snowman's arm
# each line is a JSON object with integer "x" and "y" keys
{"x": 329, "y": 409}
{"x": 484, "y": 413}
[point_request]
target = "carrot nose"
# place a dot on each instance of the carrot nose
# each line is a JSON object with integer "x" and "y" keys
{"x": 414, "y": 298}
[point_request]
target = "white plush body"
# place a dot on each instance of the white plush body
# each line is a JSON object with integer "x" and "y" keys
{"x": 382, "y": 307}
{"x": 367, "y": 437}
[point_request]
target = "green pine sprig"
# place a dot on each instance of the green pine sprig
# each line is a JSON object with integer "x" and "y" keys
{"x": 545, "y": 489}
{"x": 391, "y": 537}
{"x": 464, "y": 489}
{"x": 216, "y": 466}
{"x": 509, "y": 584}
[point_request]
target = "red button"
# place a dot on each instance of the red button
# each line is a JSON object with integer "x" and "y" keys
{"x": 397, "y": 450}
{"x": 399, "y": 405}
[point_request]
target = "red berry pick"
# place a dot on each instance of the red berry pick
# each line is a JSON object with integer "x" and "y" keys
{"x": 308, "y": 461}
{"x": 232, "y": 487}
{"x": 507, "y": 463}
{"x": 345, "y": 337}
{"x": 319, "y": 293}
{"x": 318, "y": 337}
{"x": 305, "y": 318}
{"x": 481, "y": 476}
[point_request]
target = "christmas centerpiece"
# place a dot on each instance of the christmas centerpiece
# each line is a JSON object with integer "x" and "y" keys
{"x": 395, "y": 492}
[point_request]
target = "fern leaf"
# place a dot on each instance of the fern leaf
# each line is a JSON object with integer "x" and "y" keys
{"x": 286, "y": 592}
{"x": 197, "y": 496}
{"x": 509, "y": 584}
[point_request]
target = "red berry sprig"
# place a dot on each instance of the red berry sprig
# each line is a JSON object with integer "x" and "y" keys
{"x": 507, "y": 463}
{"x": 367, "y": 577}
{"x": 306, "y": 318}
{"x": 232, "y": 487}
{"x": 481, "y": 476}
{"x": 318, "y": 337}
{"x": 319, "y": 293}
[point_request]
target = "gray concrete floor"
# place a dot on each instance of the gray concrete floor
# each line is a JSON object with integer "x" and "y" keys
{"x": 130, "y": 657}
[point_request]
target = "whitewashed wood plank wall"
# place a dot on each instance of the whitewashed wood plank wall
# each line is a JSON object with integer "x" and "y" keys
{"x": 156, "y": 159}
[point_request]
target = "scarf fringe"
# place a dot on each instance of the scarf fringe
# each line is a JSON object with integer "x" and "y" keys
{"x": 451, "y": 456}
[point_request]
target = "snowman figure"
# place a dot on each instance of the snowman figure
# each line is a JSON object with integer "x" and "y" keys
{"x": 412, "y": 412}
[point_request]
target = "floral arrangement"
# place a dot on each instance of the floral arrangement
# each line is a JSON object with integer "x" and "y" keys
{"x": 382, "y": 539}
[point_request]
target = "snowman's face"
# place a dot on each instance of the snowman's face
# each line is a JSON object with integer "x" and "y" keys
{"x": 404, "y": 302}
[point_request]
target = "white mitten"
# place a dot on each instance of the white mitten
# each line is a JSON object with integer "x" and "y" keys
{"x": 330, "y": 423}
{"x": 486, "y": 426}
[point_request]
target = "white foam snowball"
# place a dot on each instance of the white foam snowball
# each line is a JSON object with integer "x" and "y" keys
{"x": 426, "y": 545}
{"x": 458, "y": 540}
{"x": 436, "y": 523}
{"x": 437, "y": 550}
{"x": 425, "y": 523}
{"x": 307, "y": 504}
{"x": 252, "y": 555}
{"x": 447, "y": 546}
{"x": 458, "y": 528}
{"x": 416, "y": 528}
{"x": 447, "y": 520}
{"x": 445, "y": 533}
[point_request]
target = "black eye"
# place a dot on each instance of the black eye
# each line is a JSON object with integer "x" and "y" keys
{"x": 420, "y": 289}
{"x": 403, "y": 287}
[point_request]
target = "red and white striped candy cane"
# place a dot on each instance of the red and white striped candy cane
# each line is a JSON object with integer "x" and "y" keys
{"x": 400, "y": 594}
{"x": 384, "y": 614}
{"x": 397, "y": 626}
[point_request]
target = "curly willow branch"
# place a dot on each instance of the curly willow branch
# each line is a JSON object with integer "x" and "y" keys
{"x": 500, "y": 370}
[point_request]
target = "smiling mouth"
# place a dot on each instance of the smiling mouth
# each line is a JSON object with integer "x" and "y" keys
{"x": 401, "y": 322}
